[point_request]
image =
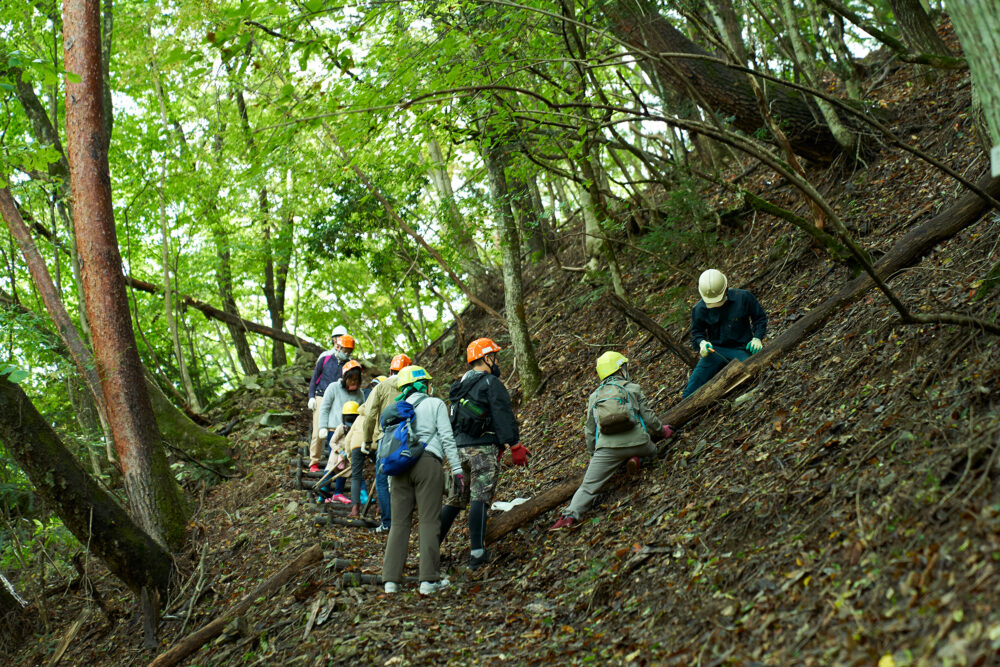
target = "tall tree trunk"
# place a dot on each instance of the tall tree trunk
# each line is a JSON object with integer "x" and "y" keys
{"x": 154, "y": 497}
{"x": 977, "y": 23}
{"x": 918, "y": 29}
{"x": 510, "y": 245}
{"x": 224, "y": 277}
{"x": 725, "y": 92}
{"x": 594, "y": 212}
{"x": 168, "y": 292}
{"x": 86, "y": 509}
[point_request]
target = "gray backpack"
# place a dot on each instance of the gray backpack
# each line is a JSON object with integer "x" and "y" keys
{"x": 613, "y": 409}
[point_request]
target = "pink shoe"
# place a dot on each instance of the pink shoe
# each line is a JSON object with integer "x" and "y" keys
{"x": 341, "y": 498}
{"x": 314, "y": 467}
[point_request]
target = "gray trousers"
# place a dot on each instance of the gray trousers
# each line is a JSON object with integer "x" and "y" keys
{"x": 423, "y": 487}
{"x": 602, "y": 465}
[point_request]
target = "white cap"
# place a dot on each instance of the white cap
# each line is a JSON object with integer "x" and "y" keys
{"x": 712, "y": 286}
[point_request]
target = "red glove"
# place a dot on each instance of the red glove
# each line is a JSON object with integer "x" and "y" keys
{"x": 519, "y": 455}
{"x": 458, "y": 484}
{"x": 667, "y": 431}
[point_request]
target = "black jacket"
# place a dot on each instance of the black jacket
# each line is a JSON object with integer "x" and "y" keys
{"x": 487, "y": 391}
{"x": 732, "y": 324}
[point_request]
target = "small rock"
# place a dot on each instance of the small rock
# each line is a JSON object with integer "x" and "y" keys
{"x": 292, "y": 507}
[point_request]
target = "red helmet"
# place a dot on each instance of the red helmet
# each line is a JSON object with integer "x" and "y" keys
{"x": 350, "y": 366}
{"x": 479, "y": 348}
{"x": 399, "y": 362}
{"x": 346, "y": 342}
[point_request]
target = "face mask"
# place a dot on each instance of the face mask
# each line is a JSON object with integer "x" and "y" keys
{"x": 342, "y": 355}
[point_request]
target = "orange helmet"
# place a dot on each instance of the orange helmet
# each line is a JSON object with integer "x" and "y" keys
{"x": 350, "y": 366}
{"x": 346, "y": 342}
{"x": 399, "y": 362}
{"x": 479, "y": 348}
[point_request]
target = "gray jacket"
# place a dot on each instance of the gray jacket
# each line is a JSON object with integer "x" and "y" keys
{"x": 433, "y": 428}
{"x": 330, "y": 410}
{"x": 637, "y": 436}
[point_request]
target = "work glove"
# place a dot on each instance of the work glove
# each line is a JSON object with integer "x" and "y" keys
{"x": 323, "y": 432}
{"x": 754, "y": 346}
{"x": 667, "y": 431}
{"x": 519, "y": 455}
{"x": 458, "y": 484}
{"x": 706, "y": 348}
{"x": 312, "y": 403}
{"x": 364, "y": 448}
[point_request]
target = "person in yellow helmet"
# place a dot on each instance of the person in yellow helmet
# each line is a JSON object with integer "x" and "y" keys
{"x": 620, "y": 428}
{"x": 337, "y": 462}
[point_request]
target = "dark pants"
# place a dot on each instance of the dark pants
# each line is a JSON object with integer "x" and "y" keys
{"x": 708, "y": 366}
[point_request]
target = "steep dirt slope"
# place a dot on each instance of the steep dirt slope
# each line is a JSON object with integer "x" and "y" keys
{"x": 843, "y": 513}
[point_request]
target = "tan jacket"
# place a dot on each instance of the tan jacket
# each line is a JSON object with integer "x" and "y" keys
{"x": 637, "y": 436}
{"x": 384, "y": 394}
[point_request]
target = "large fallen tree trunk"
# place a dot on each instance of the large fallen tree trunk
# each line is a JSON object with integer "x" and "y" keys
{"x": 89, "y": 512}
{"x": 906, "y": 252}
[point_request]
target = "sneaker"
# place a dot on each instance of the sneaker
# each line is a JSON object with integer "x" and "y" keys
{"x": 431, "y": 587}
{"x": 563, "y": 523}
{"x": 393, "y": 587}
{"x": 314, "y": 467}
{"x": 381, "y": 529}
{"x": 355, "y": 512}
{"x": 340, "y": 498}
{"x": 476, "y": 562}
{"x": 632, "y": 466}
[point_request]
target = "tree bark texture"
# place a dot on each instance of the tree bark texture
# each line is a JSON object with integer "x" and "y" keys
{"x": 510, "y": 252}
{"x": 88, "y": 511}
{"x": 724, "y": 91}
{"x": 158, "y": 506}
{"x": 918, "y": 29}
{"x": 907, "y": 251}
{"x": 977, "y": 23}
{"x": 15, "y": 624}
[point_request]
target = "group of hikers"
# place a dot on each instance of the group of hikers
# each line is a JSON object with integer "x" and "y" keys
{"x": 407, "y": 433}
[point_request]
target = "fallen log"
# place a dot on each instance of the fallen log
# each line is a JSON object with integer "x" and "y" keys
{"x": 198, "y": 638}
{"x": 647, "y": 323}
{"x": 967, "y": 210}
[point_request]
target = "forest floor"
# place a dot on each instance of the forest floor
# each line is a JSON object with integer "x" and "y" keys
{"x": 845, "y": 513}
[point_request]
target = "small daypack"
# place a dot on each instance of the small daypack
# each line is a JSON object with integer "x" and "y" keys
{"x": 613, "y": 409}
{"x": 467, "y": 416}
{"x": 399, "y": 449}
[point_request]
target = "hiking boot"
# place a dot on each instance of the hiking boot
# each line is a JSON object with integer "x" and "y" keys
{"x": 314, "y": 467}
{"x": 391, "y": 587}
{"x": 476, "y": 562}
{"x": 431, "y": 587}
{"x": 632, "y": 466}
{"x": 563, "y": 523}
{"x": 355, "y": 512}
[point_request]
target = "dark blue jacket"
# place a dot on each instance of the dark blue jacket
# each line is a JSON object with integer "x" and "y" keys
{"x": 327, "y": 371}
{"x": 732, "y": 324}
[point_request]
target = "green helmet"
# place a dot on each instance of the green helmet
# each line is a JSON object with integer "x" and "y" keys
{"x": 609, "y": 363}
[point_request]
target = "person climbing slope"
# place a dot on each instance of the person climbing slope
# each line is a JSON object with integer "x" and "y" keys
{"x": 328, "y": 369}
{"x": 371, "y": 431}
{"x": 620, "y": 427}
{"x": 337, "y": 440}
{"x": 422, "y": 486}
{"x": 484, "y": 424}
{"x": 347, "y": 388}
{"x": 726, "y": 324}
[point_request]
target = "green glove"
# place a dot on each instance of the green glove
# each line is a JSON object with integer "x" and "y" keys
{"x": 706, "y": 348}
{"x": 754, "y": 346}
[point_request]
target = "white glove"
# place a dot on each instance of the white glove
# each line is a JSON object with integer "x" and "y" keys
{"x": 312, "y": 403}
{"x": 364, "y": 448}
{"x": 706, "y": 348}
{"x": 754, "y": 346}
{"x": 323, "y": 432}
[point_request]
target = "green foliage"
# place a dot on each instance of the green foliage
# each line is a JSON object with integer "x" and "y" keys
{"x": 685, "y": 223}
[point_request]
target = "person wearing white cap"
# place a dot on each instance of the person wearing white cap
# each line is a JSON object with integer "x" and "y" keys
{"x": 327, "y": 370}
{"x": 726, "y": 324}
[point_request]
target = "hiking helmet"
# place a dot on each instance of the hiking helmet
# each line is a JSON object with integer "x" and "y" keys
{"x": 399, "y": 362}
{"x": 380, "y": 379}
{"x": 712, "y": 286}
{"x": 609, "y": 363}
{"x": 350, "y": 366}
{"x": 479, "y": 348}
{"x": 345, "y": 342}
{"x": 338, "y": 331}
{"x": 350, "y": 408}
{"x": 410, "y": 374}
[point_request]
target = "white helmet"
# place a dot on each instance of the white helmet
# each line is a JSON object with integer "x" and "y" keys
{"x": 339, "y": 330}
{"x": 712, "y": 287}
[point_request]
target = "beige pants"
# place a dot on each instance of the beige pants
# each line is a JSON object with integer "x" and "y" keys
{"x": 315, "y": 442}
{"x": 602, "y": 465}
{"x": 423, "y": 487}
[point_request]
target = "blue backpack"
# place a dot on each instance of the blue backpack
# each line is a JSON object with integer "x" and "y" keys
{"x": 399, "y": 448}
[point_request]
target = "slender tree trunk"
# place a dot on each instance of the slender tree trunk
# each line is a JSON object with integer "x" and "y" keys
{"x": 977, "y": 23}
{"x": 153, "y": 494}
{"x": 224, "y": 277}
{"x": 594, "y": 211}
{"x": 918, "y": 29}
{"x": 510, "y": 245}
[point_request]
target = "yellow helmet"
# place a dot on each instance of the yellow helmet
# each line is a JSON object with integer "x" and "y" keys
{"x": 381, "y": 378}
{"x": 609, "y": 363}
{"x": 350, "y": 408}
{"x": 410, "y": 374}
